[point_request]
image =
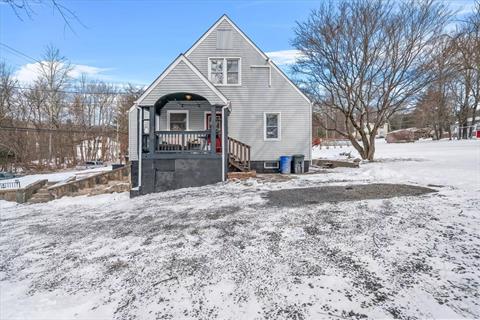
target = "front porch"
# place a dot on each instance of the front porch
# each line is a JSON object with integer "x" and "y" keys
{"x": 182, "y": 133}
{"x": 183, "y": 145}
{"x": 181, "y": 124}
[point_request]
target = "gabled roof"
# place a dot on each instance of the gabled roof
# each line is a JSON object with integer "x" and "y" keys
{"x": 181, "y": 58}
{"x": 249, "y": 41}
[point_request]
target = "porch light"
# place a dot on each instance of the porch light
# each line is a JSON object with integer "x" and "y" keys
{"x": 188, "y": 97}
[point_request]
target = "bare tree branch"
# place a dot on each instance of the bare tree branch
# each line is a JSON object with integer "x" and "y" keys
{"x": 368, "y": 59}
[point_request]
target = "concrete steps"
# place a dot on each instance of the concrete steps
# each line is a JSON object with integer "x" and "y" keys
{"x": 41, "y": 196}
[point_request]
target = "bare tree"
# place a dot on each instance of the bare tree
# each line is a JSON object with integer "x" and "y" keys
{"x": 464, "y": 60}
{"x": 368, "y": 59}
{"x": 56, "y": 120}
{"x": 26, "y": 8}
{"x": 53, "y": 80}
{"x": 434, "y": 109}
{"x": 7, "y": 91}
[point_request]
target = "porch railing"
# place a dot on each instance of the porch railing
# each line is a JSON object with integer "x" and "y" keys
{"x": 239, "y": 154}
{"x": 196, "y": 142}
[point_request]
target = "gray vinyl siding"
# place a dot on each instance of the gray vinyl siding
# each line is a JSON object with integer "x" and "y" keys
{"x": 181, "y": 79}
{"x": 224, "y": 39}
{"x": 249, "y": 101}
{"x": 254, "y": 97}
{"x": 132, "y": 134}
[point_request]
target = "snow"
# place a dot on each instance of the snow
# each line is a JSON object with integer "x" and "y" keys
{"x": 334, "y": 152}
{"x": 443, "y": 162}
{"x": 57, "y": 176}
{"x": 222, "y": 252}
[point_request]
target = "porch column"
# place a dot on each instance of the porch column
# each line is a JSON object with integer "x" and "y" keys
{"x": 151, "y": 146}
{"x": 225, "y": 114}
{"x": 213, "y": 130}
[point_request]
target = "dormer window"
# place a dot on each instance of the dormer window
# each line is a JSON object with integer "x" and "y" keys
{"x": 224, "y": 71}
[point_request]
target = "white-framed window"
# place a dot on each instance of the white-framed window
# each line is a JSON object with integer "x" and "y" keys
{"x": 272, "y": 123}
{"x": 271, "y": 165}
{"x": 225, "y": 71}
{"x": 146, "y": 120}
{"x": 177, "y": 120}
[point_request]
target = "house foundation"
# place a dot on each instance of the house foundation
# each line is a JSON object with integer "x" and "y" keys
{"x": 168, "y": 174}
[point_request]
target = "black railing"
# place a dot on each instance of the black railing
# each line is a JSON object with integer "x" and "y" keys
{"x": 10, "y": 185}
{"x": 196, "y": 142}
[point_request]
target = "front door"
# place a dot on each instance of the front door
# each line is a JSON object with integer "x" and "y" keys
{"x": 218, "y": 123}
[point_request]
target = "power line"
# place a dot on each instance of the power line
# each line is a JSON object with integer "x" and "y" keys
{"x": 87, "y": 131}
{"x": 19, "y": 53}
{"x": 71, "y": 91}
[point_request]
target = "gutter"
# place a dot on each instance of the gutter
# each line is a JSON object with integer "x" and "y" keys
{"x": 140, "y": 147}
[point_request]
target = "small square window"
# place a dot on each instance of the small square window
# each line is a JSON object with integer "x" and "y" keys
{"x": 178, "y": 121}
{"x": 271, "y": 165}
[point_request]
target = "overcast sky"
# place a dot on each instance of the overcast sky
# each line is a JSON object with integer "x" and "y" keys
{"x": 133, "y": 41}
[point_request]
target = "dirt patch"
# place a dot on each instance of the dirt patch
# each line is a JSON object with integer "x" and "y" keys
{"x": 302, "y": 196}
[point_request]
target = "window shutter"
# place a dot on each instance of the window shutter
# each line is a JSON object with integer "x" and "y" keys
{"x": 224, "y": 39}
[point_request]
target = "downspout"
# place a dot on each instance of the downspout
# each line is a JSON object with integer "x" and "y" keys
{"x": 140, "y": 146}
{"x": 311, "y": 133}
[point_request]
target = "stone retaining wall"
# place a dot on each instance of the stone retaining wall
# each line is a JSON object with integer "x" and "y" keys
{"x": 23, "y": 194}
{"x": 121, "y": 174}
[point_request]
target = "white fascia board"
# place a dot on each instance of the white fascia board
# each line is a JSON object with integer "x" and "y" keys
{"x": 181, "y": 58}
{"x": 132, "y": 108}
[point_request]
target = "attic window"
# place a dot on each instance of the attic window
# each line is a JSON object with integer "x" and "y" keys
{"x": 224, "y": 39}
{"x": 224, "y": 71}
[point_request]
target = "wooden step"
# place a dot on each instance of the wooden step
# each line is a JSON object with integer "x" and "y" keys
{"x": 242, "y": 175}
{"x": 238, "y": 165}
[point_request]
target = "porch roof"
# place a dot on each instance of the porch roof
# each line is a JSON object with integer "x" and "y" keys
{"x": 181, "y": 77}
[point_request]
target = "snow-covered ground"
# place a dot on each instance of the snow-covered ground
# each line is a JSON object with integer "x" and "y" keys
{"x": 57, "y": 176}
{"x": 228, "y": 252}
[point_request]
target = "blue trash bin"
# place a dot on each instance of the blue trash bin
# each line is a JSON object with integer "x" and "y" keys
{"x": 285, "y": 164}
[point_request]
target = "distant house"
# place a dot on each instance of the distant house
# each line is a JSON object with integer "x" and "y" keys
{"x": 260, "y": 115}
{"x": 381, "y": 131}
{"x": 471, "y": 129}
